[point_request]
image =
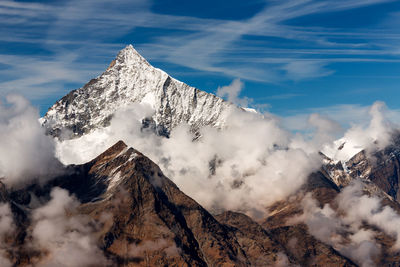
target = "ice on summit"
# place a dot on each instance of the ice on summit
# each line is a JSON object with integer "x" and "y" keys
{"x": 131, "y": 79}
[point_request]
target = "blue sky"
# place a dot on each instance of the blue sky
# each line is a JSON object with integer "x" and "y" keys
{"x": 294, "y": 57}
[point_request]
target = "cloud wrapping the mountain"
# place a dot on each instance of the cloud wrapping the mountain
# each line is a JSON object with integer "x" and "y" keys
{"x": 61, "y": 236}
{"x": 369, "y": 209}
{"x": 248, "y": 165}
{"x": 355, "y": 208}
{"x": 376, "y": 135}
{"x": 68, "y": 239}
{"x": 26, "y": 152}
{"x": 321, "y": 131}
{"x": 329, "y": 227}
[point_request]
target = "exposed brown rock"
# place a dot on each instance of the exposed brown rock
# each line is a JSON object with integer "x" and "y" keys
{"x": 307, "y": 250}
{"x": 145, "y": 220}
{"x": 260, "y": 248}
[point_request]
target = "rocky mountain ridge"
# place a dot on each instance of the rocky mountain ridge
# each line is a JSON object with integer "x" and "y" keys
{"x": 145, "y": 220}
{"x": 380, "y": 169}
{"x": 131, "y": 79}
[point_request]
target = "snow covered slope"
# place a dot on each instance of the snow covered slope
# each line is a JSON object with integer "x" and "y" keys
{"x": 131, "y": 79}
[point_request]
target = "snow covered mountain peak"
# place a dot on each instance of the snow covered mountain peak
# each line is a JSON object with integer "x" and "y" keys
{"x": 129, "y": 57}
{"x": 131, "y": 79}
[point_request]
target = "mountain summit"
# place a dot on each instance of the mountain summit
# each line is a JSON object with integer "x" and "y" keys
{"x": 126, "y": 212}
{"x": 131, "y": 79}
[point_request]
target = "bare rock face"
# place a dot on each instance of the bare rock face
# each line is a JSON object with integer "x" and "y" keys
{"x": 144, "y": 219}
{"x": 380, "y": 169}
{"x": 306, "y": 249}
{"x": 262, "y": 249}
{"x": 149, "y": 210}
{"x": 131, "y": 79}
{"x": 153, "y": 216}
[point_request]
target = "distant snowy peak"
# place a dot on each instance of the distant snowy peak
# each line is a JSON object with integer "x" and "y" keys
{"x": 342, "y": 150}
{"x": 377, "y": 166}
{"x": 131, "y": 79}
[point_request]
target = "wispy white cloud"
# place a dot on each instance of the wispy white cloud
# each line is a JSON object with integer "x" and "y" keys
{"x": 194, "y": 50}
{"x": 298, "y": 70}
{"x": 84, "y": 30}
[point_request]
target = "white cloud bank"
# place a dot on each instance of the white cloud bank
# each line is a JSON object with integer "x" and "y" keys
{"x": 26, "y": 152}
{"x": 248, "y": 165}
{"x": 344, "y": 228}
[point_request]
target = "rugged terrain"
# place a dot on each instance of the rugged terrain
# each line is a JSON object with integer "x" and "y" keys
{"x": 381, "y": 168}
{"x": 131, "y": 79}
{"x": 139, "y": 217}
{"x": 145, "y": 220}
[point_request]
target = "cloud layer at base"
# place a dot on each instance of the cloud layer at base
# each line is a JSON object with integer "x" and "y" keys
{"x": 247, "y": 166}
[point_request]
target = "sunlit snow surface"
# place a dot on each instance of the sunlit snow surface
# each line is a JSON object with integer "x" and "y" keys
{"x": 131, "y": 79}
{"x": 341, "y": 150}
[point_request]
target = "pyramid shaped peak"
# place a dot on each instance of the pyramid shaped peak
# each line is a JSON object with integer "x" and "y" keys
{"x": 130, "y": 78}
{"x": 130, "y": 55}
{"x": 129, "y": 49}
{"x": 113, "y": 151}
